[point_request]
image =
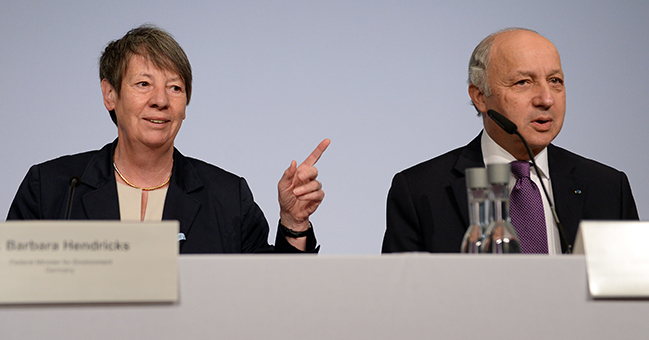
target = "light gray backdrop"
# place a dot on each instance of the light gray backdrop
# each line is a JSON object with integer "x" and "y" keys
{"x": 385, "y": 80}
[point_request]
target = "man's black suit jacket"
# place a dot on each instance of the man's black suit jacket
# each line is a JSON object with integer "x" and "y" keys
{"x": 427, "y": 208}
{"x": 215, "y": 208}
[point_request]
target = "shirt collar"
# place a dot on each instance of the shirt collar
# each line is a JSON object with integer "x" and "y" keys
{"x": 494, "y": 153}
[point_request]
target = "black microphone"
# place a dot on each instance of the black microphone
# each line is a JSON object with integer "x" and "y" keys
{"x": 74, "y": 181}
{"x": 511, "y": 129}
{"x": 504, "y": 123}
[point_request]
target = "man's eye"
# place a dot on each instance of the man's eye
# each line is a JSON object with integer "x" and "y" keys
{"x": 142, "y": 84}
{"x": 522, "y": 82}
{"x": 556, "y": 81}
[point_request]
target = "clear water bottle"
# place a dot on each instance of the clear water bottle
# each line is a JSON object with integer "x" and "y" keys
{"x": 477, "y": 187}
{"x": 500, "y": 238}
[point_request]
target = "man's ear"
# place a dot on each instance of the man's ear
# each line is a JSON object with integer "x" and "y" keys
{"x": 109, "y": 94}
{"x": 478, "y": 98}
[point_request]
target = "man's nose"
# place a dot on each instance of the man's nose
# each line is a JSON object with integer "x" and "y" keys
{"x": 544, "y": 96}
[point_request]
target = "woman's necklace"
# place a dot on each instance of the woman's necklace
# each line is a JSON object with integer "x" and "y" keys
{"x": 135, "y": 186}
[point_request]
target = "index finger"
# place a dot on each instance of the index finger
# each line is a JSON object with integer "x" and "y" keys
{"x": 315, "y": 155}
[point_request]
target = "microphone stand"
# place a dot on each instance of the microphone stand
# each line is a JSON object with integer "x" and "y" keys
{"x": 73, "y": 184}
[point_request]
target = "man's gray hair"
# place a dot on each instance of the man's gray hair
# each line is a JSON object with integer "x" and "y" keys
{"x": 479, "y": 61}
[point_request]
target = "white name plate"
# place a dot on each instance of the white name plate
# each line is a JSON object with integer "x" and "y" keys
{"x": 88, "y": 262}
{"x": 617, "y": 257}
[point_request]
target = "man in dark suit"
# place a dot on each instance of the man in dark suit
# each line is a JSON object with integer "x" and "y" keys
{"x": 517, "y": 73}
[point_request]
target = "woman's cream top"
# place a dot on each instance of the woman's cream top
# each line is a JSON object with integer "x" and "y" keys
{"x": 130, "y": 203}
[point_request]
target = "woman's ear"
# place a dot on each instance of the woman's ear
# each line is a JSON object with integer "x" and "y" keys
{"x": 109, "y": 93}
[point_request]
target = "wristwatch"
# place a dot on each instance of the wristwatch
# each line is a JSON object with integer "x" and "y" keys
{"x": 294, "y": 234}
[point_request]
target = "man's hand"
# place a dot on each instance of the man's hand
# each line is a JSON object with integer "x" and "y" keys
{"x": 300, "y": 193}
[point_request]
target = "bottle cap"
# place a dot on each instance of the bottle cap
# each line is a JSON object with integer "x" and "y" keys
{"x": 498, "y": 173}
{"x": 476, "y": 178}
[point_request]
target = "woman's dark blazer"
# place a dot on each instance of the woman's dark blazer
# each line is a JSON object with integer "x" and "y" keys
{"x": 215, "y": 208}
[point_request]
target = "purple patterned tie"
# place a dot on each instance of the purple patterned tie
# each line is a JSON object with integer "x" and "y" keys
{"x": 526, "y": 211}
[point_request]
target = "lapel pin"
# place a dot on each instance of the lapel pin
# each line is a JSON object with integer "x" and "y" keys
{"x": 577, "y": 192}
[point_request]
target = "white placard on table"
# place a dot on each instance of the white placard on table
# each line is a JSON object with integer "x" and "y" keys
{"x": 88, "y": 262}
{"x": 617, "y": 257}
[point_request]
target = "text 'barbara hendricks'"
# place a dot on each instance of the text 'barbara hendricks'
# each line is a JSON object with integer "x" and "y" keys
{"x": 67, "y": 245}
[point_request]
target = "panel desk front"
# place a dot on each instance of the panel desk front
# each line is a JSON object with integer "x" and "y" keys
{"x": 400, "y": 296}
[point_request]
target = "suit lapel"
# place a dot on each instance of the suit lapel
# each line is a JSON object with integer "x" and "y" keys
{"x": 471, "y": 157}
{"x": 101, "y": 203}
{"x": 568, "y": 191}
{"x": 179, "y": 205}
